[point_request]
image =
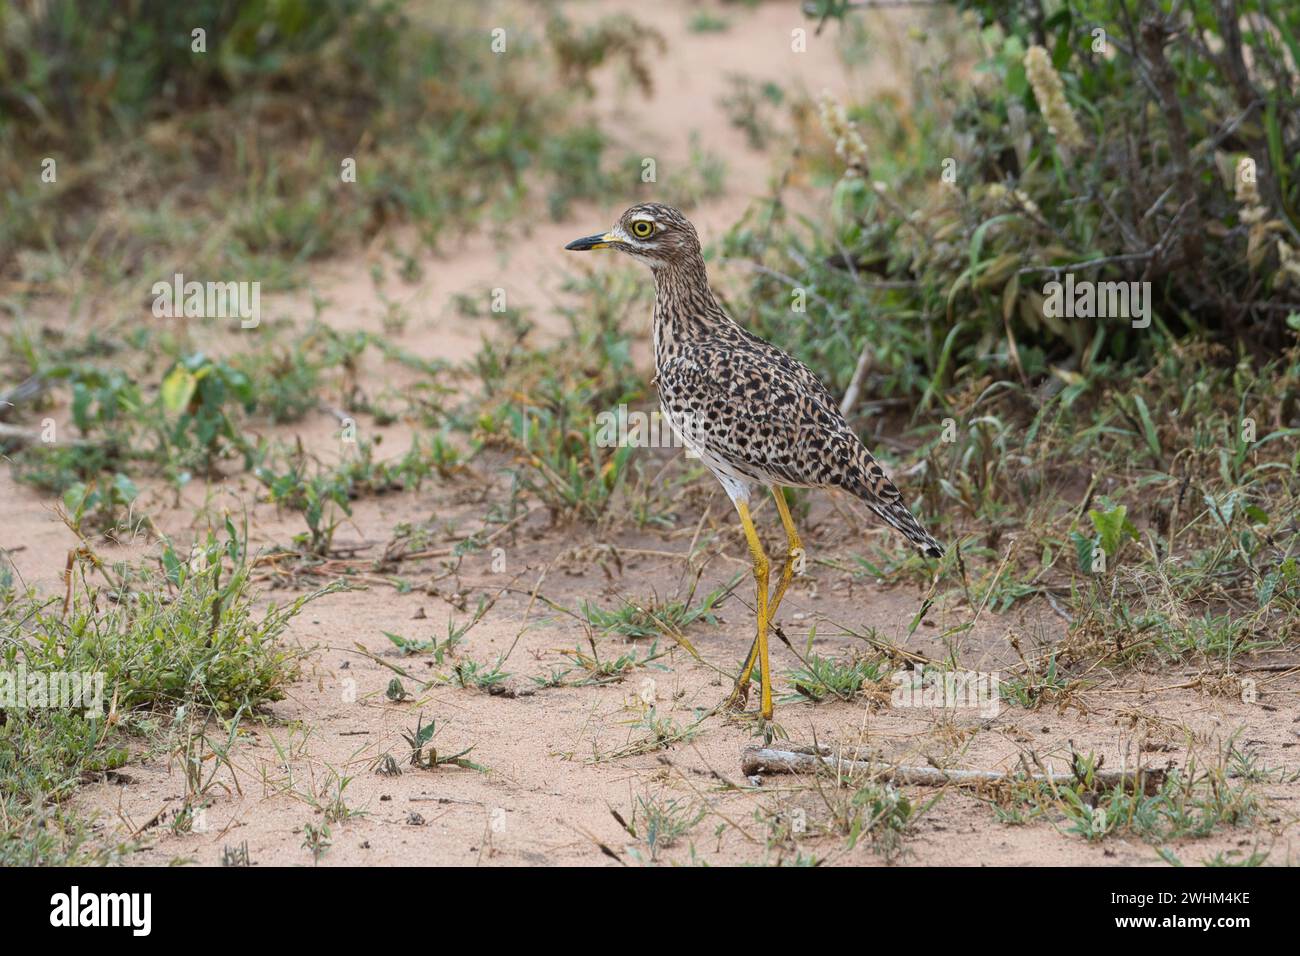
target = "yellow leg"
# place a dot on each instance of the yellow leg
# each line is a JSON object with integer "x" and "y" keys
{"x": 760, "y": 582}
{"x": 793, "y": 554}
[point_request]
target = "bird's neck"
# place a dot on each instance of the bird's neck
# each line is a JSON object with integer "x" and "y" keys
{"x": 685, "y": 308}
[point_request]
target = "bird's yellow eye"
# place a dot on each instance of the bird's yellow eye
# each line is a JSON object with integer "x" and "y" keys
{"x": 642, "y": 228}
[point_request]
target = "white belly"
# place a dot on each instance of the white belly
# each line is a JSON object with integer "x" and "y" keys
{"x": 733, "y": 482}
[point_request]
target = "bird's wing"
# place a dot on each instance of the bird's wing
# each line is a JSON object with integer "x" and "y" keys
{"x": 767, "y": 413}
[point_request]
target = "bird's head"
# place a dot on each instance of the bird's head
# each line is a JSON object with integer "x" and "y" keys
{"x": 655, "y": 234}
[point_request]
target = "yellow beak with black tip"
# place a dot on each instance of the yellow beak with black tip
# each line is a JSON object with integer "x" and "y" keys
{"x": 602, "y": 241}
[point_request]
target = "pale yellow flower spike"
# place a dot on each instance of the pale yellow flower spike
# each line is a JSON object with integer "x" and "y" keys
{"x": 849, "y": 145}
{"x": 1049, "y": 91}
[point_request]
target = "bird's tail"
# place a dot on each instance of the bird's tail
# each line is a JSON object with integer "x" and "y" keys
{"x": 870, "y": 483}
{"x": 896, "y": 515}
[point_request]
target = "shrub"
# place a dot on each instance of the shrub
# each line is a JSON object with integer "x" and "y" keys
{"x": 1099, "y": 140}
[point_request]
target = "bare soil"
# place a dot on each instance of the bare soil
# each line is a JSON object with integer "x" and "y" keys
{"x": 552, "y": 756}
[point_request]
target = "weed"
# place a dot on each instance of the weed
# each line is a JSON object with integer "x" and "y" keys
{"x": 236, "y": 855}
{"x": 878, "y": 811}
{"x": 480, "y": 676}
{"x": 425, "y": 756}
{"x": 661, "y": 732}
{"x": 608, "y": 671}
{"x": 316, "y": 840}
{"x": 823, "y": 677}
{"x": 178, "y": 640}
{"x": 652, "y": 619}
{"x": 662, "y": 822}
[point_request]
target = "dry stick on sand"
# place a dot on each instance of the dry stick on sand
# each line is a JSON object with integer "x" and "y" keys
{"x": 798, "y": 759}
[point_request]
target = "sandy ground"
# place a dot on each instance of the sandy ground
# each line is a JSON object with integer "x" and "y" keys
{"x": 556, "y": 767}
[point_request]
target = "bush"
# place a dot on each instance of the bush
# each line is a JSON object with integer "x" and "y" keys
{"x": 179, "y": 640}
{"x": 233, "y": 158}
{"x": 1096, "y": 141}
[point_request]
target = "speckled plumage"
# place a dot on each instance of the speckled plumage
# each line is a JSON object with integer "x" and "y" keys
{"x": 754, "y": 415}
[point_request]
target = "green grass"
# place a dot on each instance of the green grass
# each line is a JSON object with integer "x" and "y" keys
{"x": 661, "y": 822}
{"x": 309, "y": 132}
{"x": 705, "y": 21}
{"x": 660, "y": 733}
{"x": 478, "y": 675}
{"x": 1136, "y": 486}
{"x": 821, "y": 678}
{"x": 180, "y": 639}
{"x": 653, "y": 618}
{"x": 423, "y": 753}
{"x": 878, "y": 814}
{"x": 1193, "y": 801}
{"x": 596, "y": 670}
{"x": 1036, "y": 685}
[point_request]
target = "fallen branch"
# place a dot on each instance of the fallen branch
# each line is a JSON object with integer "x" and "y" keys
{"x": 756, "y": 760}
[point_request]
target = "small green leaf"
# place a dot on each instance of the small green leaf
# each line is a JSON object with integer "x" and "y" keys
{"x": 1112, "y": 526}
{"x": 74, "y": 499}
{"x": 172, "y": 565}
{"x": 126, "y": 490}
{"x": 1082, "y": 551}
{"x": 919, "y": 617}
{"x": 178, "y": 388}
{"x": 1148, "y": 428}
